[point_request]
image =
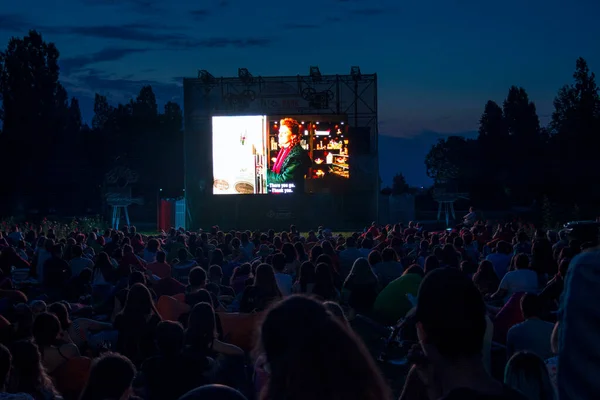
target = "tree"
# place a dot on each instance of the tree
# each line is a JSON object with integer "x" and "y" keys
{"x": 74, "y": 121}
{"x": 577, "y": 106}
{"x": 102, "y": 112}
{"x": 172, "y": 119}
{"x": 145, "y": 103}
{"x": 491, "y": 123}
{"x": 575, "y": 140}
{"x": 443, "y": 160}
{"x": 520, "y": 115}
{"x": 399, "y": 185}
{"x": 34, "y": 110}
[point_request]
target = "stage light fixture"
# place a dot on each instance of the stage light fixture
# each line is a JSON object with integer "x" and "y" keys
{"x": 315, "y": 73}
{"x": 245, "y": 75}
{"x": 206, "y": 76}
{"x": 355, "y": 72}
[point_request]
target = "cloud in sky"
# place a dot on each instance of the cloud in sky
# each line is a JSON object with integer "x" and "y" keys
{"x": 293, "y": 26}
{"x": 12, "y": 22}
{"x": 75, "y": 64}
{"x": 368, "y": 12}
{"x": 119, "y": 89}
{"x": 156, "y": 35}
{"x": 200, "y": 14}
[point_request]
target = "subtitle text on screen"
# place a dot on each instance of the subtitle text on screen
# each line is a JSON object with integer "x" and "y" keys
{"x": 282, "y": 187}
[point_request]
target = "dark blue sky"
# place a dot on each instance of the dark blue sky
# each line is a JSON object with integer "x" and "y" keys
{"x": 438, "y": 61}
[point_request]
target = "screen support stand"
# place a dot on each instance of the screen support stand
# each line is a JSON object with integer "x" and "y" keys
{"x": 116, "y": 216}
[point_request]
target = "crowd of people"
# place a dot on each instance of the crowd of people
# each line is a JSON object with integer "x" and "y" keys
{"x": 483, "y": 311}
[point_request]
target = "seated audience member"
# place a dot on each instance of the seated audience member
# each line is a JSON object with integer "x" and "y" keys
{"x": 215, "y": 276}
{"x": 393, "y": 301}
{"x": 136, "y": 324}
{"x": 47, "y": 333}
{"x": 349, "y": 255}
{"x": 451, "y": 325}
{"x": 284, "y": 281}
{"x": 486, "y": 279}
{"x": 213, "y": 392}
{"x": 527, "y": 373}
{"x": 521, "y": 280}
{"x": 5, "y": 368}
{"x": 330, "y": 362}
{"x": 28, "y": 375}
{"x": 533, "y": 334}
{"x": 578, "y": 350}
{"x": 291, "y": 259}
{"x": 196, "y": 280}
{"x": 336, "y": 310}
{"x": 306, "y": 279}
{"x": 324, "y": 287}
{"x": 501, "y": 258}
{"x": 554, "y": 289}
{"x": 79, "y": 262}
{"x": 202, "y": 346}
{"x": 361, "y": 287}
{"x": 239, "y": 277}
{"x": 389, "y": 269}
{"x": 552, "y": 362}
{"x": 162, "y": 374}
{"x": 110, "y": 377}
{"x": 263, "y": 291}
{"x": 159, "y": 267}
{"x": 431, "y": 263}
{"x": 181, "y": 270}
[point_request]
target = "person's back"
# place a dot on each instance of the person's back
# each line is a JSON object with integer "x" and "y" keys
{"x": 5, "y": 368}
{"x": 349, "y": 255}
{"x": 501, "y": 258}
{"x": 392, "y": 303}
{"x": 451, "y": 325}
{"x": 533, "y": 334}
{"x": 165, "y": 375}
{"x": 579, "y": 337}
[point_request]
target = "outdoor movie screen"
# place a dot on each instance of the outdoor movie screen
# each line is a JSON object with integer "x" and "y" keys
{"x": 258, "y": 154}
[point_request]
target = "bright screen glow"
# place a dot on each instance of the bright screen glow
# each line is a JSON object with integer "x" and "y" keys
{"x": 269, "y": 155}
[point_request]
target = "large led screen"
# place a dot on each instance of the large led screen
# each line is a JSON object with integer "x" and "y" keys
{"x": 282, "y": 155}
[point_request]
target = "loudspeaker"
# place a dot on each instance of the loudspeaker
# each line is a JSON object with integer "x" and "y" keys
{"x": 359, "y": 140}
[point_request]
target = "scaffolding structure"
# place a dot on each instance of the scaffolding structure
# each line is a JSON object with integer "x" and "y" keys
{"x": 446, "y": 202}
{"x": 353, "y": 96}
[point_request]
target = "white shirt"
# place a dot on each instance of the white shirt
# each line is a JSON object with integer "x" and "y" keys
{"x": 519, "y": 281}
{"x": 284, "y": 281}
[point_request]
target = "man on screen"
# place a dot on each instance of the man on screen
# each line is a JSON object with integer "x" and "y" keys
{"x": 292, "y": 162}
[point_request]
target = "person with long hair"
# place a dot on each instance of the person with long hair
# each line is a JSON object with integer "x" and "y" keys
{"x": 324, "y": 285}
{"x": 306, "y": 279}
{"x": 301, "y": 251}
{"x": 136, "y": 324}
{"x": 264, "y": 290}
{"x": 330, "y": 251}
{"x": 240, "y": 275}
{"x": 292, "y": 264}
{"x": 310, "y": 354}
{"x": 5, "y": 369}
{"x": 205, "y": 357}
{"x": 104, "y": 271}
{"x": 110, "y": 377}
{"x": 485, "y": 278}
{"x": 361, "y": 287}
{"x": 28, "y": 374}
{"x": 527, "y": 373}
{"x": 201, "y": 334}
{"x": 48, "y": 336}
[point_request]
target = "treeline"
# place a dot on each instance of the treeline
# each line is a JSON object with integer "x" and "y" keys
{"x": 516, "y": 162}
{"x": 54, "y": 161}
